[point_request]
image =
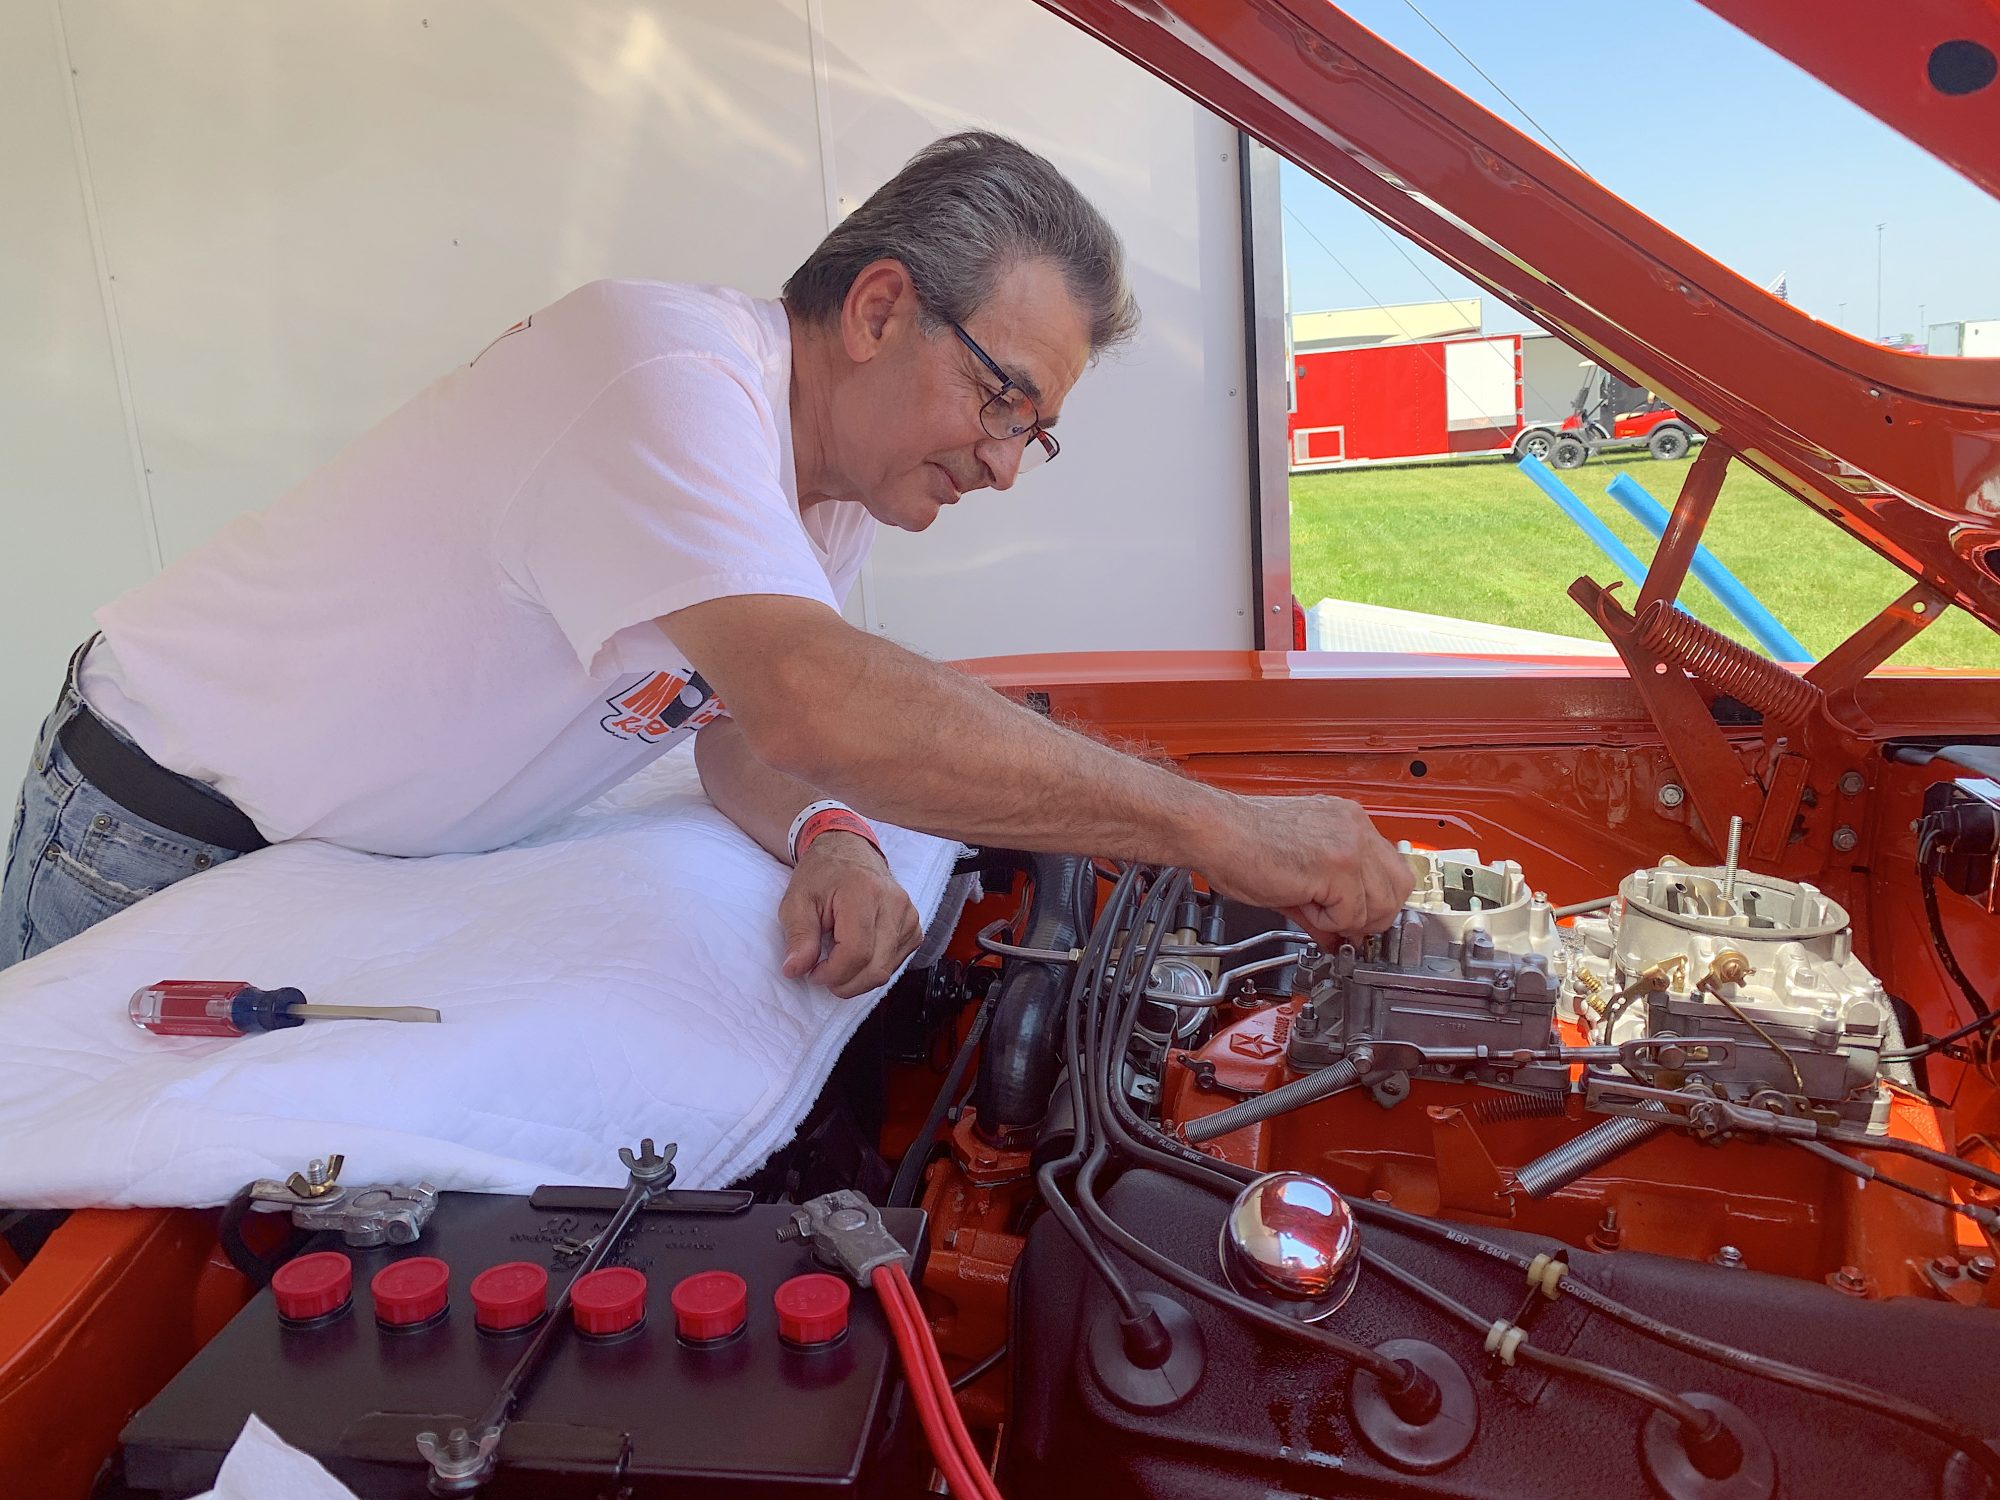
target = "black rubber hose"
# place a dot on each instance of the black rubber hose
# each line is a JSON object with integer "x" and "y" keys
{"x": 1020, "y": 1058}
{"x": 258, "y": 1269}
{"x": 910, "y": 1170}
{"x": 1915, "y": 1150}
{"x": 1927, "y": 878}
{"x": 1938, "y": 1043}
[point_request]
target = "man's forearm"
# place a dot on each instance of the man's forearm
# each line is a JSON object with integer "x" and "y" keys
{"x": 918, "y": 744}
{"x": 908, "y": 741}
{"x": 756, "y": 798}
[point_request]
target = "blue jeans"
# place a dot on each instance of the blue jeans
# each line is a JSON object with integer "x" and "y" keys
{"x": 76, "y": 857}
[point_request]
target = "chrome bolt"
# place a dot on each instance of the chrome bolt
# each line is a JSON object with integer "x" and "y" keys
{"x": 1981, "y": 1267}
{"x": 1845, "y": 838}
{"x": 1728, "y": 1257}
{"x": 1671, "y": 795}
{"x": 1850, "y": 1279}
{"x": 1851, "y": 783}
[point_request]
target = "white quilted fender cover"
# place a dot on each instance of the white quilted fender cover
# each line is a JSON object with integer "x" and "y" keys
{"x": 613, "y": 977}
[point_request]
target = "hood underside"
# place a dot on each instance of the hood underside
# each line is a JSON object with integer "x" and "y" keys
{"x": 1900, "y": 450}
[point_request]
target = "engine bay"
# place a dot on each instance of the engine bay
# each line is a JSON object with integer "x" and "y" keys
{"x": 1663, "y": 1191}
{"x": 1320, "y": 1166}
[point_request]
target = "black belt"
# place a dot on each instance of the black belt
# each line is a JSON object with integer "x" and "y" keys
{"x": 147, "y": 789}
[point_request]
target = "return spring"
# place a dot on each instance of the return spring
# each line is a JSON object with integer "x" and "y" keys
{"x": 1711, "y": 656}
{"x": 1536, "y": 1104}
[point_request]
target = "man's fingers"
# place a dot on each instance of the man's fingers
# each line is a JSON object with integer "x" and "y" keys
{"x": 1396, "y": 871}
{"x": 1379, "y": 895}
{"x": 891, "y": 936}
{"x": 889, "y": 951}
{"x": 799, "y": 921}
{"x": 1328, "y": 928}
{"x": 853, "y": 945}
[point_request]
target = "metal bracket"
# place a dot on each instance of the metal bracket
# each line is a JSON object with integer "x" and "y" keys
{"x": 1693, "y": 1054}
{"x": 1715, "y": 778}
{"x": 1205, "y": 1080}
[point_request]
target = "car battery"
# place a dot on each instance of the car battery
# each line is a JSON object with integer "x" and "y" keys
{"x": 695, "y": 1361}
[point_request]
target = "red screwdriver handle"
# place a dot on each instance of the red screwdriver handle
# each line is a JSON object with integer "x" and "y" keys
{"x": 212, "y": 1007}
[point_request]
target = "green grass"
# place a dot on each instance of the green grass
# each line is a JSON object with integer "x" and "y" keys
{"x": 1478, "y": 541}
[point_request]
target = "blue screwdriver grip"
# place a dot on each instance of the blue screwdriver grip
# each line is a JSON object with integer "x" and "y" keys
{"x": 265, "y": 1010}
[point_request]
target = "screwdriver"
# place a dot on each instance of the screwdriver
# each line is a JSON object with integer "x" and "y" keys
{"x": 230, "y": 1007}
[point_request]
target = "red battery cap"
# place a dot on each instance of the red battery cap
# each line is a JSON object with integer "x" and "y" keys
{"x": 812, "y": 1309}
{"x": 710, "y": 1305}
{"x": 609, "y": 1301}
{"x": 510, "y": 1295}
{"x": 409, "y": 1292}
{"x": 313, "y": 1285}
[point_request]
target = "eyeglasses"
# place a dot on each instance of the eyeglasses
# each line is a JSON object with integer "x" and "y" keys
{"x": 1010, "y": 412}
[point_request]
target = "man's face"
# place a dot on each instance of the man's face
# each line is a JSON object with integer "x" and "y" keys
{"x": 907, "y": 421}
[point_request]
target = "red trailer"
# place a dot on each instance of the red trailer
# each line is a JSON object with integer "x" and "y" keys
{"x": 1432, "y": 399}
{"x": 1480, "y": 393}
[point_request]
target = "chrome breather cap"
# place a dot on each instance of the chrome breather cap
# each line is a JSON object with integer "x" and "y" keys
{"x": 1290, "y": 1243}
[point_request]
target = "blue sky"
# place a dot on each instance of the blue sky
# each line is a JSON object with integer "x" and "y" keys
{"x": 1723, "y": 141}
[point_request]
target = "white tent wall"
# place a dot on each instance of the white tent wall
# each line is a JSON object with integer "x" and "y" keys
{"x": 240, "y": 233}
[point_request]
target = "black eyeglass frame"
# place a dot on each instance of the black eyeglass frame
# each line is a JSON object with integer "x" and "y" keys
{"x": 1035, "y": 430}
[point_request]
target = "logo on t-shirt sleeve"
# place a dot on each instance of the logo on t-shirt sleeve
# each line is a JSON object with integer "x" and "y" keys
{"x": 660, "y": 705}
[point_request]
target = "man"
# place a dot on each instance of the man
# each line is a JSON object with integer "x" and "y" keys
{"x": 640, "y": 504}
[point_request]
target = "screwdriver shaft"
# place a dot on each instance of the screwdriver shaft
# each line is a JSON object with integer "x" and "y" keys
{"x": 364, "y": 1012}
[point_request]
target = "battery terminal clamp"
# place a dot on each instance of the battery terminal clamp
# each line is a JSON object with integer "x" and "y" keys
{"x": 846, "y": 1233}
{"x": 377, "y": 1214}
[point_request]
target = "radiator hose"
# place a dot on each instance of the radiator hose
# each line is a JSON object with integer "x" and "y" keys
{"x": 1019, "y": 1062}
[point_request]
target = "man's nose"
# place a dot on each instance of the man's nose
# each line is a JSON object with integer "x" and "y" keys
{"x": 1001, "y": 458}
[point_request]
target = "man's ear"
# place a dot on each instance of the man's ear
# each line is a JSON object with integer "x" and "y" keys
{"x": 879, "y": 297}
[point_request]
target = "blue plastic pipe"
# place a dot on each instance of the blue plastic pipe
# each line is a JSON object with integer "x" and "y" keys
{"x": 1607, "y": 541}
{"x": 1777, "y": 641}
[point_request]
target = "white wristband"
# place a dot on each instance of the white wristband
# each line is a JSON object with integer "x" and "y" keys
{"x": 799, "y": 823}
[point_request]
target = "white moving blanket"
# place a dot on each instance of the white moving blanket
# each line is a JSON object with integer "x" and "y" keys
{"x": 612, "y": 977}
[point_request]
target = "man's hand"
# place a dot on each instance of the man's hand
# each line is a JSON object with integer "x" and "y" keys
{"x": 1318, "y": 859}
{"x": 843, "y": 898}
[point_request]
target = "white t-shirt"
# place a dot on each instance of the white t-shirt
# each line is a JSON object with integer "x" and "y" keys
{"x": 443, "y": 638}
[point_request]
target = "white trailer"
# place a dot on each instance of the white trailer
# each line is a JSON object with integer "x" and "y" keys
{"x": 1977, "y": 338}
{"x": 241, "y": 233}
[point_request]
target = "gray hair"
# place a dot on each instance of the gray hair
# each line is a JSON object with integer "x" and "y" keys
{"x": 961, "y": 214}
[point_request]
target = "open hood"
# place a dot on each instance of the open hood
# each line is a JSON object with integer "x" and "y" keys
{"x": 1901, "y": 450}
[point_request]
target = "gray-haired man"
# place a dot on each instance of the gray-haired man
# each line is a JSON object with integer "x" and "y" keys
{"x": 632, "y": 507}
